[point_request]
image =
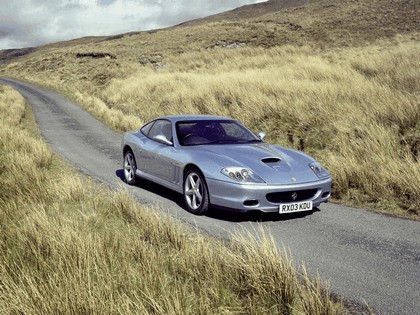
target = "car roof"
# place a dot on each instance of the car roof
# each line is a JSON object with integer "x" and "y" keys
{"x": 177, "y": 118}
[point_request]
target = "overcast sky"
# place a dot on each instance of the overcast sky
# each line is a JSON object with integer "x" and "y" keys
{"x": 26, "y": 23}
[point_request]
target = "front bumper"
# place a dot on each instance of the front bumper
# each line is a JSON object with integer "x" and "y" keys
{"x": 245, "y": 197}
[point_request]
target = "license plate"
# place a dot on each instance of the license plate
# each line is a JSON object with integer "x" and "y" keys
{"x": 295, "y": 207}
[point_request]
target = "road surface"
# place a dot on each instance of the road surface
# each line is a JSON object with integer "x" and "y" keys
{"x": 365, "y": 256}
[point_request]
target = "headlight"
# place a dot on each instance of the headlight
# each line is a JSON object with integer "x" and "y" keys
{"x": 240, "y": 174}
{"x": 319, "y": 170}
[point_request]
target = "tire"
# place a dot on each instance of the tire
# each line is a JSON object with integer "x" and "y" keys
{"x": 130, "y": 168}
{"x": 196, "y": 194}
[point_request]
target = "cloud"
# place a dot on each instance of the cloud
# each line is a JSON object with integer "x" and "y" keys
{"x": 26, "y": 23}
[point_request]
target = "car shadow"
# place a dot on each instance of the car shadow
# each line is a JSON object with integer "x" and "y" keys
{"x": 255, "y": 215}
{"x": 155, "y": 189}
{"x": 120, "y": 174}
{"x": 229, "y": 215}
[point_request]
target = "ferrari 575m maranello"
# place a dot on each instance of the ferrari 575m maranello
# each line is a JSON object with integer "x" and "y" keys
{"x": 216, "y": 161}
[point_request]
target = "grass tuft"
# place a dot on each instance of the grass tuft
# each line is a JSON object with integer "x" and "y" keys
{"x": 71, "y": 246}
{"x": 310, "y": 76}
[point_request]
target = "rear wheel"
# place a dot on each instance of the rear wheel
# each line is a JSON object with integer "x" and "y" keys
{"x": 195, "y": 192}
{"x": 130, "y": 168}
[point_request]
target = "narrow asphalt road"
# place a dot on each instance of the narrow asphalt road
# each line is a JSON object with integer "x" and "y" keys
{"x": 366, "y": 256}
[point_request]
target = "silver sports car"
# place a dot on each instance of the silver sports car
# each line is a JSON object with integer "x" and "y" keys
{"x": 217, "y": 161}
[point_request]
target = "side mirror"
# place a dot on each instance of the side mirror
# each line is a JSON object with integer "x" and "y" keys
{"x": 162, "y": 138}
{"x": 261, "y": 135}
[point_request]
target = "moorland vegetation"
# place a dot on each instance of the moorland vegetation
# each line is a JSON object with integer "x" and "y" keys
{"x": 70, "y": 246}
{"x": 339, "y": 81}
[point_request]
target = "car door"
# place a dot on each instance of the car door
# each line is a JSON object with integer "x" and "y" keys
{"x": 157, "y": 154}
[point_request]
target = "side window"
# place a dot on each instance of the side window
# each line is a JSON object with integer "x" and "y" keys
{"x": 145, "y": 129}
{"x": 161, "y": 131}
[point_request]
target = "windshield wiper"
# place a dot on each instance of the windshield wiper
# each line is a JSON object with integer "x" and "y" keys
{"x": 222, "y": 141}
{"x": 233, "y": 141}
{"x": 251, "y": 141}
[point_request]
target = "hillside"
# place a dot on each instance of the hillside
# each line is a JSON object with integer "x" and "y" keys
{"x": 318, "y": 23}
{"x": 339, "y": 80}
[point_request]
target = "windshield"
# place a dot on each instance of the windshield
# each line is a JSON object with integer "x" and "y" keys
{"x": 213, "y": 132}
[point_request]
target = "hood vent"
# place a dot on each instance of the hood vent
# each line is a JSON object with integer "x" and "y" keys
{"x": 271, "y": 160}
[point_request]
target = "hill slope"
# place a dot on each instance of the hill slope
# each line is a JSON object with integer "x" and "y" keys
{"x": 319, "y": 23}
{"x": 338, "y": 80}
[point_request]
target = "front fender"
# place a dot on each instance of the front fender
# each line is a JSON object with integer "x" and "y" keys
{"x": 211, "y": 164}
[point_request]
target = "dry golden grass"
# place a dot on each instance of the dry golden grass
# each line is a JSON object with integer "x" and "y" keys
{"x": 356, "y": 110}
{"x": 69, "y": 246}
{"x": 342, "y": 87}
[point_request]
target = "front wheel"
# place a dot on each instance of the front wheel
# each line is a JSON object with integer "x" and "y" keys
{"x": 195, "y": 192}
{"x": 130, "y": 168}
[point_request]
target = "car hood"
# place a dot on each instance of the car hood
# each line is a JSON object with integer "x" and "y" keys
{"x": 275, "y": 165}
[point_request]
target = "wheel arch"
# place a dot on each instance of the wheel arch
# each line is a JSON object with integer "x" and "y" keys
{"x": 127, "y": 148}
{"x": 191, "y": 166}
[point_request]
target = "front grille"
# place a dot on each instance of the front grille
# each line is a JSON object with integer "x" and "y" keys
{"x": 291, "y": 196}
